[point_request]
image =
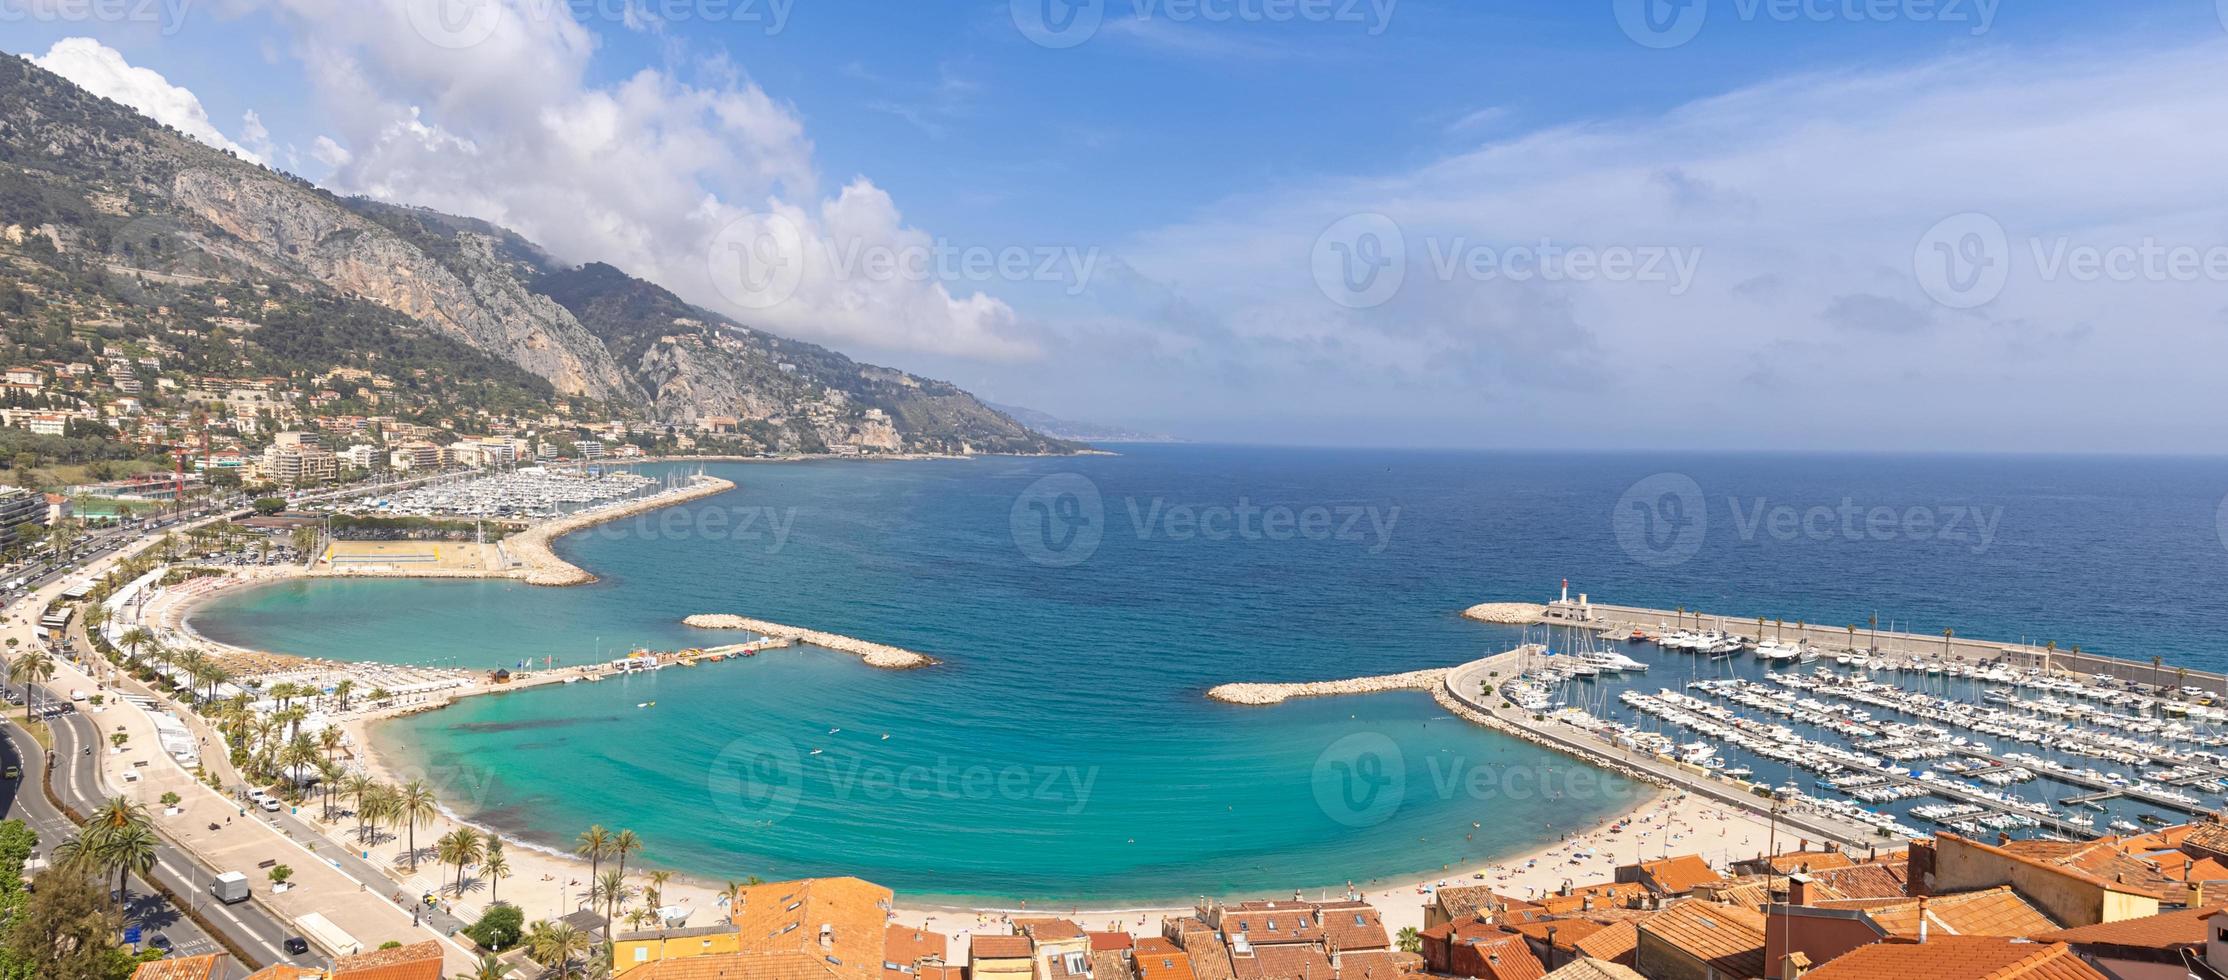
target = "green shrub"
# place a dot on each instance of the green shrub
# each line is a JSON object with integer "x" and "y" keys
{"x": 498, "y": 929}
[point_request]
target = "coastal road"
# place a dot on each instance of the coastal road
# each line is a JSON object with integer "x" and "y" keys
{"x": 21, "y": 799}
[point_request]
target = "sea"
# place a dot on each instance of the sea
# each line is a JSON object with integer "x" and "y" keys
{"x": 1064, "y": 751}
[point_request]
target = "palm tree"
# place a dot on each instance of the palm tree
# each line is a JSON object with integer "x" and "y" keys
{"x": 342, "y": 690}
{"x": 494, "y": 866}
{"x": 623, "y": 844}
{"x": 33, "y": 667}
{"x": 383, "y": 809}
{"x": 415, "y": 805}
{"x": 654, "y": 895}
{"x": 134, "y": 638}
{"x": 329, "y": 775}
{"x": 118, "y": 813}
{"x": 554, "y": 945}
{"x": 490, "y": 967}
{"x": 129, "y": 851}
{"x": 611, "y": 889}
{"x": 595, "y": 845}
{"x": 461, "y": 847}
{"x": 361, "y": 787}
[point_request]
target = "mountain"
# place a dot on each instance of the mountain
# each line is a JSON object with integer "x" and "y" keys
{"x": 1059, "y": 428}
{"x": 111, "y": 214}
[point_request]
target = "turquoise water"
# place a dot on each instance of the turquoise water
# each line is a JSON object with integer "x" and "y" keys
{"x": 1064, "y": 751}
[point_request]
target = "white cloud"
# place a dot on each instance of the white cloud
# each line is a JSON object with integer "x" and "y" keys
{"x": 1818, "y": 187}
{"x": 642, "y": 172}
{"x": 102, "y": 70}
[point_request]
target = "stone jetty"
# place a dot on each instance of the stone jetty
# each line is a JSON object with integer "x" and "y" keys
{"x": 875, "y": 654}
{"x": 1415, "y": 680}
{"x": 1506, "y": 613}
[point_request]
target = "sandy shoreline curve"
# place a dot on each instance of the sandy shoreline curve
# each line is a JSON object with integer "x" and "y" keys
{"x": 875, "y": 654}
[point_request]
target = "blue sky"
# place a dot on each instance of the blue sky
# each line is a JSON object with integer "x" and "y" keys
{"x": 1183, "y": 175}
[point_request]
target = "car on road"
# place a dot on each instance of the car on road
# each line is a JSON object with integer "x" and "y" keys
{"x": 296, "y": 945}
{"x": 270, "y": 804}
{"x": 161, "y": 942}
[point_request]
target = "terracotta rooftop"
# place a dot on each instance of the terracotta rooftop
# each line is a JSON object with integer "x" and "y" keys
{"x": 1959, "y": 957}
{"x": 1352, "y": 926}
{"x": 907, "y": 947}
{"x": 983, "y": 947}
{"x": 1608, "y": 894}
{"x": 1049, "y": 930}
{"x": 285, "y": 971}
{"x": 1286, "y": 924}
{"x": 1679, "y": 875}
{"x": 813, "y": 928}
{"x": 1614, "y": 942}
{"x": 1590, "y": 969}
{"x": 181, "y": 968}
{"x": 1466, "y": 901}
{"x": 1728, "y": 938}
{"x": 1282, "y": 963}
{"x": 1862, "y": 881}
{"x": 1987, "y": 912}
{"x": 1508, "y": 957}
{"x": 1567, "y": 931}
{"x": 417, "y": 961}
{"x": 1160, "y": 959}
{"x": 2164, "y": 931}
{"x": 2206, "y": 838}
{"x": 1808, "y": 860}
{"x": 1371, "y": 965}
{"x": 1111, "y": 940}
{"x": 2097, "y": 862}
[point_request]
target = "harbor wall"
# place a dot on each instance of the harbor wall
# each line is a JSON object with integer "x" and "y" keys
{"x": 875, "y": 654}
{"x": 1597, "y": 615}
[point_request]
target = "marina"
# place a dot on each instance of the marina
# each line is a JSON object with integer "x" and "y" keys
{"x": 1903, "y": 740}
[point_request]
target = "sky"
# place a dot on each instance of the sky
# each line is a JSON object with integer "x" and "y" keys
{"x": 1937, "y": 225}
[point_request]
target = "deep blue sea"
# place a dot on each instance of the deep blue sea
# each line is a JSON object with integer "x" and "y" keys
{"x": 1063, "y": 750}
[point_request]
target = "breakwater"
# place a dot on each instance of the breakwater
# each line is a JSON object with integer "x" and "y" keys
{"x": 537, "y": 564}
{"x": 1262, "y": 694}
{"x": 1506, "y": 613}
{"x": 875, "y": 654}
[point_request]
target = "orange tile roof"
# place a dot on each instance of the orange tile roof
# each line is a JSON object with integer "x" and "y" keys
{"x": 1101, "y": 941}
{"x": 1507, "y": 957}
{"x": 1995, "y": 911}
{"x": 1960, "y": 957}
{"x": 907, "y": 947}
{"x": 948, "y": 971}
{"x": 1159, "y": 959}
{"x": 2164, "y": 931}
{"x": 1617, "y": 894}
{"x": 417, "y": 961}
{"x": 2206, "y": 838}
{"x": 1794, "y": 861}
{"x": 984, "y": 947}
{"x": 1728, "y": 938}
{"x": 1048, "y": 930}
{"x": 1370, "y": 965}
{"x": 1286, "y": 924}
{"x": 781, "y": 926}
{"x": 2094, "y": 862}
{"x": 180, "y": 968}
{"x": 1594, "y": 970}
{"x": 716, "y": 966}
{"x": 1465, "y": 901}
{"x": 1679, "y": 875}
{"x": 285, "y": 971}
{"x": 1614, "y": 942}
{"x": 1352, "y": 926}
{"x": 1282, "y": 963}
{"x": 1567, "y": 932}
{"x": 1862, "y": 881}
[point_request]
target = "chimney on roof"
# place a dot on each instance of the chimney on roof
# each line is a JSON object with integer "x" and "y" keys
{"x": 827, "y": 935}
{"x": 1922, "y": 918}
{"x": 1798, "y": 889}
{"x": 1793, "y": 966}
{"x": 1586, "y": 904}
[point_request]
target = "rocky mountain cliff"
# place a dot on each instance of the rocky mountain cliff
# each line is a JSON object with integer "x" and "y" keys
{"x": 84, "y": 174}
